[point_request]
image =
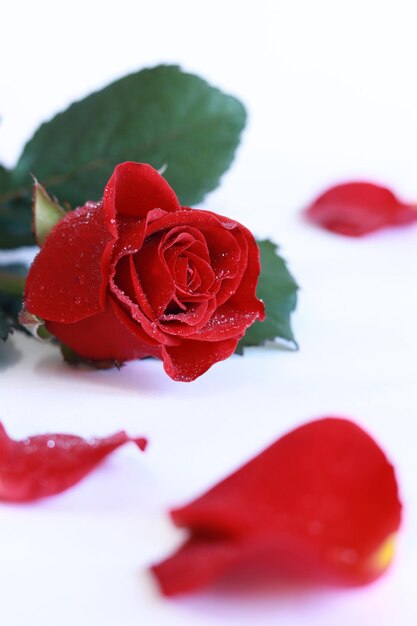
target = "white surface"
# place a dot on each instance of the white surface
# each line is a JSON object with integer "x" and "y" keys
{"x": 331, "y": 92}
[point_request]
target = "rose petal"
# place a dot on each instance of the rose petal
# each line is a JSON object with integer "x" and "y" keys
{"x": 321, "y": 503}
{"x": 67, "y": 281}
{"x": 230, "y": 321}
{"x": 200, "y": 220}
{"x": 356, "y": 209}
{"x": 182, "y": 238}
{"x": 190, "y": 359}
{"x": 44, "y": 465}
{"x": 196, "y": 564}
{"x": 131, "y": 233}
{"x": 244, "y": 293}
{"x": 187, "y": 323}
{"x": 139, "y": 319}
{"x": 238, "y": 306}
{"x": 137, "y": 188}
{"x": 192, "y": 315}
{"x": 204, "y": 274}
{"x": 154, "y": 275}
{"x": 110, "y": 335}
{"x": 185, "y": 249}
{"x": 127, "y": 280}
{"x": 227, "y": 258}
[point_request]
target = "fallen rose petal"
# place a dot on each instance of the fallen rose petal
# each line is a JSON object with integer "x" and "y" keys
{"x": 44, "y": 465}
{"x": 358, "y": 208}
{"x": 321, "y": 504}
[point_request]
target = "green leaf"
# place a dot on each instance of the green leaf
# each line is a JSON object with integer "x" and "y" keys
{"x": 4, "y": 178}
{"x": 160, "y": 116}
{"x": 15, "y": 216}
{"x": 46, "y": 213}
{"x": 12, "y": 281}
{"x": 278, "y": 290}
{"x": 10, "y": 298}
{"x": 6, "y": 326}
{"x": 16, "y": 222}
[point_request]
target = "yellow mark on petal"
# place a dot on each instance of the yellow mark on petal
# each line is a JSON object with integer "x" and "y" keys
{"x": 382, "y": 558}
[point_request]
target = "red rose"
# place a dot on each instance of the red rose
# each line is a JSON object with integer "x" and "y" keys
{"x": 138, "y": 275}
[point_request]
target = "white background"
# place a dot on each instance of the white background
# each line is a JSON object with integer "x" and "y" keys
{"x": 331, "y": 89}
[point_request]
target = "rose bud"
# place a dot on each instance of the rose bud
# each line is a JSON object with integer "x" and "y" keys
{"x": 319, "y": 505}
{"x": 356, "y": 209}
{"x": 45, "y": 465}
{"x": 138, "y": 275}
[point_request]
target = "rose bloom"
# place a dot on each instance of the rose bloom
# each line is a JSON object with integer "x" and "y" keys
{"x": 137, "y": 275}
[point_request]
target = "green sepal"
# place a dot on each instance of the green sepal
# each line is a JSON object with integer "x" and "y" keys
{"x": 34, "y": 325}
{"x": 74, "y": 359}
{"x": 46, "y": 213}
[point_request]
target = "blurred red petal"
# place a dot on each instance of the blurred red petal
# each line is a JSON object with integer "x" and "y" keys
{"x": 358, "y": 208}
{"x": 44, "y": 465}
{"x": 320, "y": 504}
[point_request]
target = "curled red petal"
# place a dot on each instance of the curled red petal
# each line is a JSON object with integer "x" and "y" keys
{"x": 138, "y": 317}
{"x": 67, "y": 281}
{"x": 137, "y": 188}
{"x": 358, "y": 208}
{"x": 44, "y": 465}
{"x": 191, "y": 218}
{"x": 321, "y": 503}
{"x": 186, "y": 325}
{"x": 131, "y": 233}
{"x": 154, "y": 275}
{"x": 127, "y": 281}
{"x": 196, "y": 564}
{"x": 188, "y": 360}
